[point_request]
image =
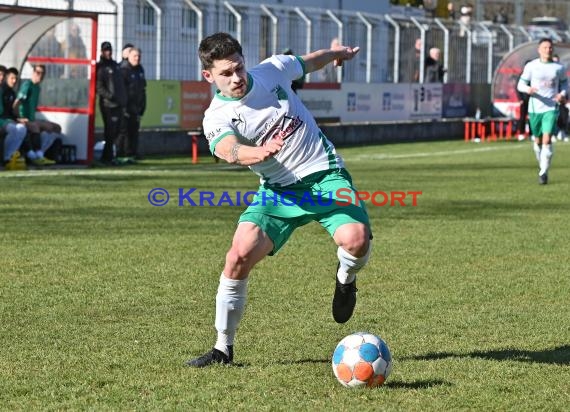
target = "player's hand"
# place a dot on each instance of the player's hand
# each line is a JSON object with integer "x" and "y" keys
{"x": 560, "y": 98}
{"x": 346, "y": 53}
{"x": 532, "y": 90}
{"x": 272, "y": 147}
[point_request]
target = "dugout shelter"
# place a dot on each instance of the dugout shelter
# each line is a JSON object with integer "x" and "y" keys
{"x": 503, "y": 89}
{"x": 68, "y": 91}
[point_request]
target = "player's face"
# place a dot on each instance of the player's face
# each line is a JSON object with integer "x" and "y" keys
{"x": 229, "y": 76}
{"x": 545, "y": 50}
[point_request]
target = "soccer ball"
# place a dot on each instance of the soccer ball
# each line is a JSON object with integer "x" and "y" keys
{"x": 362, "y": 359}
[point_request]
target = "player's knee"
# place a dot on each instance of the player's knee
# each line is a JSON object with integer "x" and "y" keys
{"x": 356, "y": 241}
{"x": 360, "y": 246}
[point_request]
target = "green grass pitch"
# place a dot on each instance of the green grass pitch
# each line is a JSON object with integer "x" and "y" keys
{"x": 103, "y": 296}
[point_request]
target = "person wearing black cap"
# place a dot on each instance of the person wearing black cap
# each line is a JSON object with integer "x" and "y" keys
{"x": 112, "y": 98}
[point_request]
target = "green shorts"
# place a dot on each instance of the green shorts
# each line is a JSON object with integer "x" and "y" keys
{"x": 541, "y": 123}
{"x": 326, "y": 197}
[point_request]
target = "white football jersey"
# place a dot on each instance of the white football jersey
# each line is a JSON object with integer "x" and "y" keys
{"x": 271, "y": 108}
{"x": 549, "y": 78}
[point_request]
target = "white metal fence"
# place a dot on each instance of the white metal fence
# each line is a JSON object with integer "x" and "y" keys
{"x": 470, "y": 52}
{"x": 169, "y": 32}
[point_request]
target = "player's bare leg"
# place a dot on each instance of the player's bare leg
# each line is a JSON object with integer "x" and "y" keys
{"x": 353, "y": 240}
{"x": 250, "y": 244}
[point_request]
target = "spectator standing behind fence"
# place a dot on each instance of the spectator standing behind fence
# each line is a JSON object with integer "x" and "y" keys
{"x": 49, "y": 46}
{"x": 434, "y": 69}
{"x": 546, "y": 83}
{"x": 15, "y": 131}
{"x": 135, "y": 85}
{"x": 410, "y": 72}
{"x": 465, "y": 12}
{"x": 27, "y": 103}
{"x": 501, "y": 17}
{"x": 112, "y": 99}
{"x": 75, "y": 49}
{"x": 451, "y": 12}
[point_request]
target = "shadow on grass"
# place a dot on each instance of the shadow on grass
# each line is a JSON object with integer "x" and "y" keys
{"x": 557, "y": 356}
{"x": 421, "y": 384}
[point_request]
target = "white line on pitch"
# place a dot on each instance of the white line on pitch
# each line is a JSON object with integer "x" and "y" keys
{"x": 429, "y": 154}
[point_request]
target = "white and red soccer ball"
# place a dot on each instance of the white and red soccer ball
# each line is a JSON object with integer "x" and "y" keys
{"x": 362, "y": 359}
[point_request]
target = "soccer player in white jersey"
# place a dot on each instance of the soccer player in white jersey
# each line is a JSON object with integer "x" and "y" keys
{"x": 256, "y": 120}
{"x": 546, "y": 83}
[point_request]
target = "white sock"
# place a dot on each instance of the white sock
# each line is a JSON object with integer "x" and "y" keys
{"x": 47, "y": 140}
{"x": 230, "y": 305}
{"x": 350, "y": 265}
{"x": 31, "y": 155}
{"x": 536, "y": 148}
{"x": 545, "y": 157}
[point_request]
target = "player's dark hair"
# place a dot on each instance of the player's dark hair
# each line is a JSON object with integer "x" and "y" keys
{"x": 545, "y": 39}
{"x": 3, "y": 69}
{"x": 218, "y": 46}
{"x": 12, "y": 70}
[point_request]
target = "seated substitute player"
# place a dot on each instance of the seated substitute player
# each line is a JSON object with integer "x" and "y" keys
{"x": 256, "y": 120}
{"x": 14, "y": 130}
{"x": 546, "y": 83}
{"x": 27, "y": 103}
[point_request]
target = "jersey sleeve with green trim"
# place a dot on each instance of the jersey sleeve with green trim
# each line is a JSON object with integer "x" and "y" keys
{"x": 270, "y": 109}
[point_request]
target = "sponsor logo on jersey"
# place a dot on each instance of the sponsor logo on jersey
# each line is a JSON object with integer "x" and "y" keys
{"x": 284, "y": 130}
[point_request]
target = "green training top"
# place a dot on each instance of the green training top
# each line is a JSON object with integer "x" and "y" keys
{"x": 29, "y": 95}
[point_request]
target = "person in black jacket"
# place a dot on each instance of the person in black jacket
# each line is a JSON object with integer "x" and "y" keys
{"x": 135, "y": 84}
{"x": 112, "y": 99}
{"x": 523, "y": 112}
{"x": 434, "y": 70}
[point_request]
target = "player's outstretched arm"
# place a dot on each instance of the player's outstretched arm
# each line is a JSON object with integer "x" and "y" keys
{"x": 232, "y": 151}
{"x": 318, "y": 59}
